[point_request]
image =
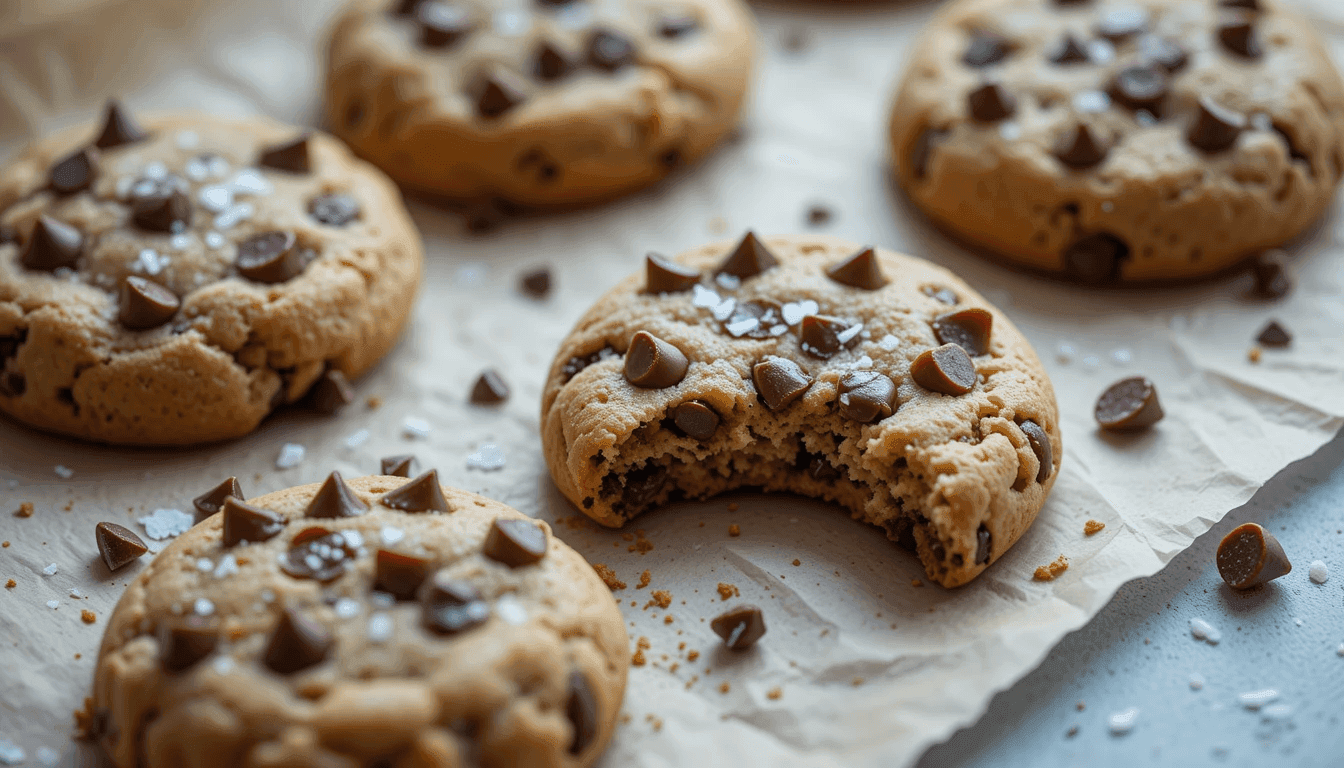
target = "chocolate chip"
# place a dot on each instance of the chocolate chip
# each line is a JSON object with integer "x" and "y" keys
{"x": 818, "y": 215}
{"x": 118, "y": 128}
{"x": 983, "y": 541}
{"x": 184, "y": 642}
{"x": 1121, "y": 22}
{"x": 1040, "y": 445}
{"x": 160, "y": 206}
{"x": 1095, "y": 258}
{"x": 822, "y": 336}
{"x": 652, "y": 363}
{"x": 967, "y": 328}
{"x": 118, "y": 545}
{"x": 1249, "y": 556}
{"x": 335, "y": 499}
{"x": 748, "y": 259}
{"x": 582, "y": 711}
{"x": 662, "y": 275}
{"x": 575, "y": 365}
{"x": 946, "y": 369}
{"x": 642, "y": 487}
{"x": 677, "y": 24}
{"x": 1274, "y": 335}
{"x": 422, "y": 494}
{"x": 1129, "y": 404}
{"x": 696, "y": 419}
{"x": 1237, "y": 33}
{"x": 291, "y": 156}
{"x": 442, "y": 23}
{"x": 867, "y": 396}
{"x": 1068, "y": 51}
{"x": 318, "y": 554}
{"x": 399, "y": 575}
{"x": 146, "y": 304}
{"x": 212, "y": 500}
{"x": 1079, "y": 149}
{"x": 986, "y": 48}
{"x": 740, "y": 627}
{"x": 51, "y": 245}
{"x": 1140, "y": 87}
{"x": 403, "y": 465}
{"x": 331, "y": 393}
{"x": 335, "y": 209}
{"x": 990, "y": 103}
{"x": 758, "y": 319}
{"x": 515, "y": 543}
{"x": 610, "y": 51}
{"x": 779, "y": 381}
{"x": 246, "y": 524}
{"x": 1166, "y": 53}
{"x": 12, "y": 384}
{"x": 73, "y": 172}
{"x": 270, "y": 257}
{"x": 1216, "y": 127}
{"x": 297, "y": 643}
{"x": 1272, "y": 280}
{"x": 451, "y": 605}
{"x": 944, "y": 295}
{"x": 536, "y": 282}
{"x": 815, "y": 466}
{"x": 496, "y": 94}
{"x": 489, "y": 388}
{"x": 551, "y": 63}
{"x": 922, "y": 151}
{"x": 862, "y": 270}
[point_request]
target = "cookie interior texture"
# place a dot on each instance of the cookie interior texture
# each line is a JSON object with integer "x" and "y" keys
{"x": 386, "y": 637}
{"x": 1145, "y": 141}
{"x": 172, "y": 279}
{"x": 957, "y": 478}
{"x": 543, "y": 104}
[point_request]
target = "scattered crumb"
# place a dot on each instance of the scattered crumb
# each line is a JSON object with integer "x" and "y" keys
{"x": 11, "y": 584}
{"x": 724, "y": 688}
{"x": 1093, "y": 526}
{"x": 608, "y": 577}
{"x": 734, "y": 530}
{"x": 657, "y": 724}
{"x": 644, "y": 579}
{"x": 681, "y": 646}
{"x": 692, "y": 681}
{"x": 4, "y": 544}
{"x": 1147, "y": 641}
{"x": 818, "y": 215}
{"x": 1082, "y": 705}
{"x": 795, "y": 40}
{"x": 660, "y": 597}
{"x": 628, "y": 536}
{"x": 733, "y": 506}
{"x": 643, "y": 642}
{"x": 774, "y": 693}
{"x": 692, "y": 655}
{"x": 1051, "y": 572}
{"x": 856, "y": 682}
{"x": 727, "y": 590}
{"x": 373, "y": 402}
{"x": 1073, "y": 731}
{"x": 916, "y": 583}
{"x": 667, "y": 619}
{"x": 641, "y": 545}
{"x": 1253, "y": 354}
{"x": 638, "y": 659}
{"x": 797, "y": 562}
{"x": 25, "y": 510}
{"x": 87, "y": 616}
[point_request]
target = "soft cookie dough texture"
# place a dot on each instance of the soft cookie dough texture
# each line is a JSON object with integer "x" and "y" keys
{"x": 175, "y": 202}
{"x": 1160, "y": 188}
{"x": 200, "y": 666}
{"x": 956, "y": 478}
{"x": 539, "y": 103}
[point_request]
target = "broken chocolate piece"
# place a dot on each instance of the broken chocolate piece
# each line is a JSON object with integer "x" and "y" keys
{"x": 335, "y": 209}
{"x": 184, "y": 642}
{"x": 515, "y": 543}
{"x": 823, "y": 337}
{"x": 536, "y": 282}
{"x": 270, "y": 257}
{"x": 73, "y": 172}
{"x": 610, "y": 51}
{"x": 422, "y": 494}
{"x": 983, "y": 541}
{"x": 403, "y": 465}
{"x": 145, "y": 304}
{"x": 867, "y": 396}
{"x": 399, "y": 575}
{"x": 331, "y": 392}
{"x": 1079, "y": 149}
{"x": 1274, "y": 335}
{"x": 946, "y": 369}
{"x": 51, "y": 245}
{"x": 441, "y": 23}
{"x": 160, "y": 206}
{"x": 335, "y": 500}
{"x": 749, "y": 259}
{"x": 662, "y": 275}
{"x": 1068, "y": 51}
{"x": 740, "y": 627}
{"x": 297, "y": 643}
{"x": 1129, "y": 404}
{"x": 1216, "y": 127}
{"x": 319, "y": 554}
{"x": 696, "y": 419}
{"x": 1270, "y": 270}
{"x": 1040, "y": 445}
{"x": 118, "y": 128}
{"x": 652, "y": 363}
{"x": 986, "y": 48}
{"x": 1237, "y": 33}
{"x": 1095, "y": 258}
{"x": 990, "y": 103}
{"x": 861, "y": 270}
{"x": 967, "y": 328}
{"x": 1249, "y": 556}
{"x": 451, "y": 605}
{"x": 291, "y": 156}
{"x": 246, "y": 524}
{"x": 489, "y": 388}
{"x": 1122, "y": 21}
{"x": 118, "y": 545}
{"x": 779, "y": 381}
{"x": 212, "y": 500}
{"x": 1140, "y": 87}
{"x": 551, "y": 63}
{"x": 496, "y": 94}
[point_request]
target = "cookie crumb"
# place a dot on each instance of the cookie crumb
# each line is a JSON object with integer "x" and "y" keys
{"x": 1073, "y": 731}
{"x": 11, "y": 584}
{"x": 667, "y": 619}
{"x": 795, "y": 40}
{"x": 1082, "y": 705}
{"x": 643, "y": 580}
{"x": 1254, "y": 354}
{"x": 25, "y": 510}
{"x": 727, "y": 591}
{"x": 797, "y": 562}
{"x": 724, "y": 688}
{"x": 641, "y": 545}
{"x": 1093, "y": 526}
{"x": 1051, "y": 572}
{"x": 638, "y": 659}
{"x": 660, "y": 597}
{"x": 4, "y": 544}
{"x": 856, "y": 682}
{"x": 774, "y": 694}
{"x": 87, "y": 616}
{"x": 916, "y": 583}
{"x": 733, "y": 506}
{"x": 692, "y": 655}
{"x": 818, "y": 215}
{"x": 608, "y": 577}
{"x": 733, "y": 530}
{"x": 374, "y": 402}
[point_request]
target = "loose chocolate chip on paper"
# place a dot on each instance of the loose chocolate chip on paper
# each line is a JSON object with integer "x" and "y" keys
{"x": 451, "y": 605}
{"x": 403, "y": 465}
{"x": 582, "y": 711}
{"x": 1040, "y": 445}
{"x": 496, "y": 94}
{"x": 269, "y": 257}
{"x": 652, "y": 363}
{"x": 674, "y": 25}
{"x": 399, "y": 575}
{"x": 51, "y": 245}
{"x": 1068, "y": 51}
{"x": 118, "y": 545}
{"x": 779, "y": 381}
{"x": 968, "y": 328}
{"x": 1123, "y": 21}
{"x": 119, "y": 128}
{"x": 867, "y": 396}
{"x": 1270, "y": 270}
{"x": 515, "y": 543}
{"x": 1274, "y": 335}
{"x": 489, "y": 388}
{"x": 740, "y": 627}
{"x": 610, "y": 51}
{"x": 1095, "y": 258}
{"x": 145, "y": 304}
{"x": 986, "y": 48}
{"x": 946, "y": 369}
{"x": 335, "y": 209}
{"x": 748, "y": 259}
{"x": 331, "y": 392}
{"x": 983, "y": 542}
{"x": 1165, "y": 52}
{"x": 662, "y": 275}
{"x": 160, "y": 206}
{"x": 1216, "y": 127}
{"x": 212, "y": 500}
{"x": 184, "y": 642}
{"x": 696, "y": 419}
{"x": 1249, "y": 556}
{"x": 74, "y": 172}
{"x": 335, "y": 499}
{"x": 244, "y": 523}
{"x": 1238, "y": 35}
{"x": 442, "y": 23}
{"x": 990, "y": 103}
{"x": 550, "y": 62}
{"x": 297, "y": 643}
{"x": 291, "y": 156}
{"x": 818, "y": 215}
{"x": 422, "y": 494}
{"x": 1128, "y": 405}
{"x": 822, "y": 336}
{"x": 861, "y": 270}
{"x": 1140, "y": 87}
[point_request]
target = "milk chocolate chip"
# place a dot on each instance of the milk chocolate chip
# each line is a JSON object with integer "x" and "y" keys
{"x": 399, "y": 575}
{"x": 986, "y": 48}
{"x": 331, "y": 392}
{"x": 398, "y": 466}
{"x": 1249, "y": 556}
{"x": 1040, "y": 445}
{"x": 496, "y": 94}
{"x": 118, "y": 128}
{"x": 1216, "y": 127}
{"x": 652, "y": 363}
{"x": 246, "y": 524}
{"x": 1164, "y": 52}
{"x": 990, "y": 103}
{"x": 740, "y": 627}
{"x": 160, "y": 206}
{"x": 145, "y": 304}
{"x": 1095, "y": 258}
{"x": 536, "y": 282}
{"x": 749, "y": 259}
{"x": 859, "y": 271}
{"x": 780, "y": 381}
{"x": 696, "y": 419}
{"x": 335, "y": 209}
{"x": 335, "y": 500}
{"x": 1237, "y": 33}
{"x": 967, "y": 328}
{"x": 489, "y": 388}
{"x": 1068, "y": 51}
{"x": 270, "y": 257}
{"x": 1140, "y": 87}
{"x": 118, "y": 545}
{"x": 297, "y": 643}
{"x": 1270, "y": 270}
{"x": 822, "y": 336}
{"x": 73, "y": 172}
{"x": 1274, "y": 335}
{"x": 422, "y": 494}
{"x": 318, "y": 554}
{"x": 610, "y": 51}
{"x": 946, "y": 369}
{"x": 1080, "y": 149}
{"x": 212, "y": 500}
{"x": 184, "y": 642}
{"x": 290, "y": 156}
{"x": 867, "y": 396}
{"x": 442, "y": 23}
{"x": 515, "y": 543}
{"x": 51, "y": 245}
{"x": 451, "y": 605}
{"x": 551, "y": 63}
{"x": 581, "y": 709}
{"x": 663, "y": 275}
{"x": 758, "y": 319}
{"x": 1129, "y": 404}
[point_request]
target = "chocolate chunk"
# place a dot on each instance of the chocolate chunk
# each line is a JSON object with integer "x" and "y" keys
{"x": 335, "y": 500}
{"x": 641, "y": 489}
{"x": 990, "y": 103}
{"x": 944, "y": 295}
{"x": 291, "y": 156}
{"x": 489, "y": 388}
{"x": 12, "y": 384}
{"x": 399, "y": 575}
{"x": 758, "y": 319}
{"x": 1068, "y": 51}
{"x": 652, "y": 363}
{"x": 51, "y": 245}
{"x": 581, "y": 709}
{"x": 779, "y": 381}
{"x": 73, "y": 172}
{"x": 610, "y": 51}
{"x": 749, "y": 259}
{"x": 1079, "y": 149}
{"x": 118, "y": 128}
{"x": 983, "y": 541}
{"x": 967, "y": 328}
{"x": 1249, "y": 556}
{"x": 815, "y": 466}
{"x": 946, "y": 369}
{"x": 1129, "y": 404}
{"x": 677, "y": 24}
{"x": 118, "y": 545}
{"x": 318, "y": 554}
{"x": 822, "y": 336}
{"x": 740, "y": 627}
{"x": 867, "y": 396}
{"x": 861, "y": 270}
{"x": 574, "y": 365}
{"x": 246, "y": 524}
{"x": 442, "y": 23}
{"x": 1040, "y": 445}
{"x": 184, "y": 642}
{"x": 335, "y": 209}
{"x": 551, "y": 63}
{"x": 662, "y": 275}
{"x": 1096, "y": 258}
{"x": 496, "y": 94}
{"x": 423, "y": 494}
{"x": 1122, "y": 21}
{"x": 986, "y": 48}
{"x": 451, "y": 605}
{"x": 145, "y": 304}
{"x": 696, "y": 419}
{"x": 297, "y": 643}
{"x": 536, "y": 282}
{"x": 270, "y": 257}
{"x": 1216, "y": 127}
{"x": 403, "y": 465}
{"x": 1270, "y": 270}
{"x": 160, "y": 206}
{"x": 212, "y": 500}
{"x": 515, "y": 543}
{"x": 1140, "y": 87}
{"x": 922, "y": 150}
{"x": 1165, "y": 52}
{"x": 332, "y": 392}
{"x": 1274, "y": 335}
{"x": 1237, "y": 33}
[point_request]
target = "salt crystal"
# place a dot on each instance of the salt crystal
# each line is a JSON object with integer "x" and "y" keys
{"x": 268, "y": 596}
{"x": 1121, "y": 356}
{"x": 10, "y": 753}
{"x": 197, "y": 169}
{"x": 1196, "y": 683}
{"x": 794, "y": 311}
{"x": 76, "y": 594}
{"x": 250, "y": 181}
{"x": 727, "y": 281}
{"x": 233, "y": 215}
{"x": 380, "y": 627}
{"x": 150, "y": 261}
{"x": 354, "y": 538}
{"x": 471, "y": 273}
{"x": 1122, "y": 722}
{"x": 1203, "y": 630}
{"x": 124, "y": 185}
{"x": 1318, "y": 572}
{"x": 214, "y": 239}
{"x": 863, "y": 363}
{"x": 346, "y": 608}
{"x": 223, "y": 665}
{"x": 1340, "y": 650}
{"x": 53, "y": 605}
{"x": 488, "y": 457}
{"x": 1065, "y": 352}
{"x": 1091, "y": 361}
{"x": 187, "y": 139}
{"x": 392, "y": 534}
{"x": 889, "y": 343}
{"x": 512, "y": 23}
{"x": 847, "y": 335}
{"x": 745, "y": 325}
{"x": 156, "y": 171}
{"x": 574, "y": 16}
{"x": 724, "y": 310}
{"x": 413, "y": 426}
{"x": 216, "y": 198}
{"x": 166, "y": 523}
{"x": 219, "y": 167}
{"x": 1258, "y": 699}
{"x": 48, "y": 756}
{"x": 228, "y": 566}
{"x": 1276, "y": 712}
{"x": 203, "y": 607}
{"x": 1100, "y": 51}
{"x": 291, "y": 454}
{"x": 510, "y": 610}
{"x": 779, "y": 330}
{"x": 704, "y": 297}
{"x": 382, "y": 600}
{"x": 1298, "y": 622}
{"x": 205, "y": 565}
{"x": 357, "y": 438}
{"x": 63, "y": 472}
{"x": 180, "y": 242}
{"x": 1091, "y": 101}
{"x": 50, "y": 570}
{"x": 1010, "y": 130}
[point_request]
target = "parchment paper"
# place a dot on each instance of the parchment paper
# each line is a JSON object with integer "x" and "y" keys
{"x": 868, "y": 670}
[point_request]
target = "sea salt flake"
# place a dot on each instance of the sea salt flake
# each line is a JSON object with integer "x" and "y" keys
{"x": 1257, "y": 699}
{"x": 704, "y": 297}
{"x": 392, "y": 534}
{"x": 50, "y": 570}
{"x": 510, "y": 610}
{"x": 488, "y": 458}
{"x": 1318, "y": 572}
{"x": 234, "y": 214}
{"x": 76, "y": 594}
{"x": 1100, "y": 51}
{"x": 155, "y": 171}
{"x": 1203, "y": 630}
{"x": 219, "y": 167}
{"x": 214, "y": 239}
{"x": 728, "y": 282}
{"x": 863, "y": 363}
{"x": 380, "y": 627}
{"x": 1196, "y": 683}
{"x": 124, "y": 185}
{"x": 291, "y": 454}
{"x": 357, "y": 438}
{"x": 779, "y": 330}
{"x": 180, "y": 242}
{"x": 346, "y": 608}
{"x": 203, "y": 607}
{"x": 10, "y": 753}
{"x": 187, "y": 139}
{"x": 215, "y": 198}
{"x": 205, "y": 565}
{"x": 512, "y": 23}
{"x": 250, "y": 181}
{"x": 724, "y": 310}
{"x": 228, "y": 566}
{"x": 413, "y": 426}
{"x": 150, "y": 261}
{"x": 889, "y": 343}
{"x": 1123, "y": 722}
{"x": 1121, "y": 356}
{"x": 63, "y": 472}
{"x": 166, "y": 523}
{"x": 794, "y": 311}
{"x": 197, "y": 169}
{"x": 743, "y": 326}
{"x": 223, "y": 665}
{"x": 1009, "y": 130}
{"x": 53, "y": 605}
{"x": 354, "y": 538}
{"x": 1091, "y": 101}
{"x": 1298, "y": 622}
{"x": 1091, "y": 361}
{"x": 847, "y": 335}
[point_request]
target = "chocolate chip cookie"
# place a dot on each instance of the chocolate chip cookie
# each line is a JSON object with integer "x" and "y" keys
{"x": 173, "y": 280}
{"x": 379, "y": 622}
{"x": 810, "y": 365}
{"x": 1120, "y": 141}
{"x": 537, "y": 102}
